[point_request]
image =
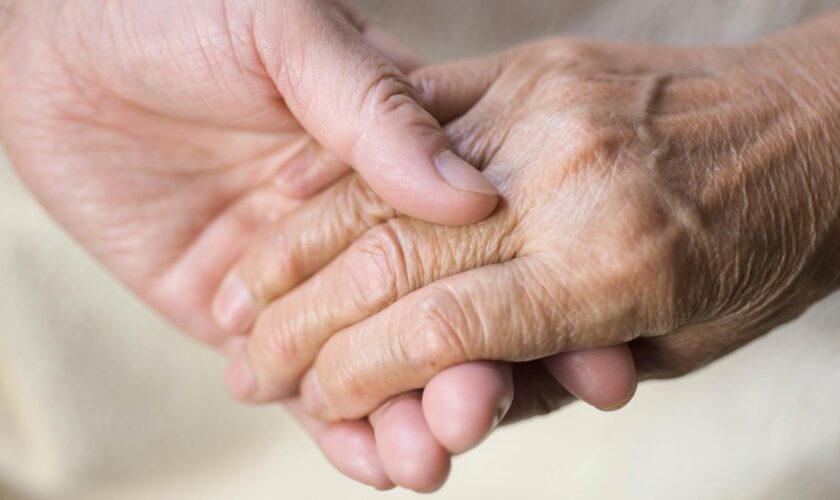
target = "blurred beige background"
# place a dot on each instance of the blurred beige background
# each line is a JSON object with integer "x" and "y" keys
{"x": 100, "y": 399}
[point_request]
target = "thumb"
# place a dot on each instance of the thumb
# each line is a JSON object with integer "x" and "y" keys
{"x": 360, "y": 106}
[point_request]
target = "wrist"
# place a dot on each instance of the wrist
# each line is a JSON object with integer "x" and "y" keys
{"x": 814, "y": 50}
{"x": 800, "y": 67}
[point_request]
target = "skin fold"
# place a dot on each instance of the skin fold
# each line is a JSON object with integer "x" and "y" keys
{"x": 679, "y": 200}
{"x": 167, "y": 137}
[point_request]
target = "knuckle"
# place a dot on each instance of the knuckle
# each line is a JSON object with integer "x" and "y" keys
{"x": 341, "y": 385}
{"x": 438, "y": 339}
{"x": 281, "y": 347}
{"x": 554, "y": 58}
{"x": 275, "y": 267}
{"x": 425, "y": 86}
{"x": 647, "y": 253}
{"x": 376, "y": 268}
{"x": 391, "y": 103}
{"x": 569, "y": 50}
{"x": 621, "y": 284}
{"x": 591, "y": 135}
{"x": 388, "y": 92}
{"x": 635, "y": 267}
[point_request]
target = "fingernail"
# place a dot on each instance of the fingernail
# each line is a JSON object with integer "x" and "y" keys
{"x": 501, "y": 411}
{"x": 311, "y": 395}
{"x": 234, "y": 307}
{"x": 461, "y": 175}
{"x": 621, "y": 404}
{"x": 240, "y": 378}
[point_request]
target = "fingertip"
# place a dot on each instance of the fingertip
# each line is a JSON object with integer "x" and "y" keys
{"x": 409, "y": 452}
{"x": 602, "y": 377}
{"x": 447, "y": 190}
{"x": 464, "y": 403}
{"x": 461, "y": 175}
{"x": 233, "y": 306}
{"x": 407, "y": 160}
{"x": 351, "y": 447}
{"x": 475, "y": 197}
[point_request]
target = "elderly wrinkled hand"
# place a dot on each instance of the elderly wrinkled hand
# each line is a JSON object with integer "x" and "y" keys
{"x": 680, "y": 200}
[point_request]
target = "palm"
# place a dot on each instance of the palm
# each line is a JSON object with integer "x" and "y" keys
{"x": 165, "y": 187}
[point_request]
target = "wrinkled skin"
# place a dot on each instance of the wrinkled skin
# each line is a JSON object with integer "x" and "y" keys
{"x": 167, "y": 136}
{"x": 681, "y": 200}
{"x": 137, "y": 172}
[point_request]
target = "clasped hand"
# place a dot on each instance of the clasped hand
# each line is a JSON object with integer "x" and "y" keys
{"x": 623, "y": 171}
{"x": 659, "y": 207}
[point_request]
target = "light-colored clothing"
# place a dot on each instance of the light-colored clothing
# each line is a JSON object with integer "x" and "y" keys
{"x": 101, "y": 399}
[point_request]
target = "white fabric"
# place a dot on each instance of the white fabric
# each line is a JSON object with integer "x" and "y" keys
{"x": 101, "y": 399}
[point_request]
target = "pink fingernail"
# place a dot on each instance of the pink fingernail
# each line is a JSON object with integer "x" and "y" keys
{"x": 234, "y": 307}
{"x": 311, "y": 395}
{"x": 461, "y": 175}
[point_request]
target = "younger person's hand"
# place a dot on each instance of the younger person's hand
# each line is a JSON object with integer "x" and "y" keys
{"x": 165, "y": 135}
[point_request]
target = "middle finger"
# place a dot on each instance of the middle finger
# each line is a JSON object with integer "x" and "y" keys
{"x": 389, "y": 262}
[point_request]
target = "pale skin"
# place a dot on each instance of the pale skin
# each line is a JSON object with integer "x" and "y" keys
{"x": 681, "y": 202}
{"x": 168, "y": 137}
